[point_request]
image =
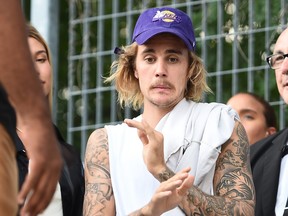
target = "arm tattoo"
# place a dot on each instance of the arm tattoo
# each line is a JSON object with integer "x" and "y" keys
{"x": 234, "y": 189}
{"x": 239, "y": 157}
{"x": 165, "y": 175}
{"x": 203, "y": 204}
{"x": 98, "y": 189}
{"x": 235, "y": 184}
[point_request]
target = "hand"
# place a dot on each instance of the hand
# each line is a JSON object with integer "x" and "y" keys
{"x": 44, "y": 169}
{"x": 153, "y": 146}
{"x": 170, "y": 193}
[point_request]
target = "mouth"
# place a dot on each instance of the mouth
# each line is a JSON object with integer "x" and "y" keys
{"x": 285, "y": 83}
{"x": 161, "y": 86}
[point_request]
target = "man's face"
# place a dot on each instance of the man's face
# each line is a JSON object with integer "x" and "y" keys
{"x": 281, "y": 73}
{"x": 162, "y": 67}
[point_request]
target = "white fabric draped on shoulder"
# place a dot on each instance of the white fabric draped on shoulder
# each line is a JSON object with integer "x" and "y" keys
{"x": 193, "y": 135}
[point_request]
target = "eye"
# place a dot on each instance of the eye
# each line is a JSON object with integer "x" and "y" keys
{"x": 278, "y": 58}
{"x": 173, "y": 59}
{"x": 149, "y": 59}
{"x": 248, "y": 117}
{"x": 41, "y": 60}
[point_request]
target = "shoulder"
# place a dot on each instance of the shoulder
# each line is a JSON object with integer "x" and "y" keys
{"x": 97, "y": 152}
{"x": 217, "y": 108}
{"x": 220, "y": 115}
{"x": 117, "y": 131}
{"x": 272, "y": 144}
{"x": 97, "y": 142}
{"x": 273, "y": 141}
{"x": 96, "y": 135}
{"x": 224, "y": 108}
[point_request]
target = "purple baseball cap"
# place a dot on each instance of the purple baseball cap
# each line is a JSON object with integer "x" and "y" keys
{"x": 169, "y": 20}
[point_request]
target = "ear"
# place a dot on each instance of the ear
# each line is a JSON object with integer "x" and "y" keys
{"x": 270, "y": 131}
{"x": 136, "y": 74}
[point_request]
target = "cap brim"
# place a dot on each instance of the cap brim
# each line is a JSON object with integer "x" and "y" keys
{"x": 145, "y": 36}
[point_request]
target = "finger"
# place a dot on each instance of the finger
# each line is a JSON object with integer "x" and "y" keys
{"x": 153, "y": 135}
{"x": 27, "y": 186}
{"x": 182, "y": 174}
{"x": 39, "y": 199}
{"x": 178, "y": 176}
{"x": 140, "y": 130}
{"x": 148, "y": 129}
{"x": 44, "y": 178}
{"x": 185, "y": 170}
{"x": 143, "y": 137}
{"x": 169, "y": 186}
{"x": 133, "y": 123}
{"x": 186, "y": 185}
{"x": 143, "y": 126}
{"x": 144, "y": 130}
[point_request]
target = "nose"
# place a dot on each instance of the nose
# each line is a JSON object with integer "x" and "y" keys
{"x": 161, "y": 69}
{"x": 37, "y": 69}
{"x": 284, "y": 66}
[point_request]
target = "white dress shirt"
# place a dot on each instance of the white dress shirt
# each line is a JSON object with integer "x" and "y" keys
{"x": 282, "y": 193}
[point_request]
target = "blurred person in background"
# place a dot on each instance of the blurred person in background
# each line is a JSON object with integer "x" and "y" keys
{"x": 269, "y": 159}
{"x": 21, "y": 97}
{"x": 256, "y": 115}
{"x": 69, "y": 194}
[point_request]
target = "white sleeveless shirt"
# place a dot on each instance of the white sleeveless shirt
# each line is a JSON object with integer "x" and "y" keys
{"x": 199, "y": 129}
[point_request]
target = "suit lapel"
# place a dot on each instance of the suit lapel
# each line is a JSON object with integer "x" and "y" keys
{"x": 271, "y": 173}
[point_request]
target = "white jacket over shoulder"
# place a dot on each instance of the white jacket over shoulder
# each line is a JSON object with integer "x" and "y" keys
{"x": 193, "y": 135}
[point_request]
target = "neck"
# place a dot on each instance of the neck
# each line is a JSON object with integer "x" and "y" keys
{"x": 153, "y": 114}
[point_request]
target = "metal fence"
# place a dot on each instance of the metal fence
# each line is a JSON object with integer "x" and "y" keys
{"x": 233, "y": 39}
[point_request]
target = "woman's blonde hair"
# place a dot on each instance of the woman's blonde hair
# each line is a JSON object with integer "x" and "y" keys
{"x": 127, "y": 85}
{"x": 33, "y": 33}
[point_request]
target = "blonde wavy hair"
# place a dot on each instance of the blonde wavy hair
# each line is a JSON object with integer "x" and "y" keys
{"x": 127, "y": 85}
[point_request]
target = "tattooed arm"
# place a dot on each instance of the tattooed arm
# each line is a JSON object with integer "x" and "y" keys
{"x": 98, "y": 199}
{"x": 233, "y": 185}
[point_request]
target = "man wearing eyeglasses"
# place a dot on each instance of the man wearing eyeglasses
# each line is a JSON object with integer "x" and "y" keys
{"x": 269, "y": 157}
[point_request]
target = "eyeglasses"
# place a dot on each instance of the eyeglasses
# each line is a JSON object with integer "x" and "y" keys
{"x": 275, "y": 61}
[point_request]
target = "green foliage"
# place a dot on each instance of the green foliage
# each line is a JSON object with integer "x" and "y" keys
{"x": 232, "y": 47}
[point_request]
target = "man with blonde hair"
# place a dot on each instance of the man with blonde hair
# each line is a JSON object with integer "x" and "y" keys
{"x": 180, "y": 156}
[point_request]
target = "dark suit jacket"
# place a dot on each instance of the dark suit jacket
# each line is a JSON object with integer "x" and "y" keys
{"x": 265, "y": 163}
